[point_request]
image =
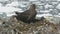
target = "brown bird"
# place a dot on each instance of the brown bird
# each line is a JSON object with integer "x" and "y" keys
{"x": 28, "y": 15}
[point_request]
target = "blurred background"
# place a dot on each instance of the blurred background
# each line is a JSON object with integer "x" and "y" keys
{"x": 43, "y": 7}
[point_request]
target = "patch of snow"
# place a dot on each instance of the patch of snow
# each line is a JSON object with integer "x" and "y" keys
{"x": 0, "y": 4}
{"x": 23, "y": 5}
{"x": 48, "y": 6}
{"x": 1, "y": 13}
{"x": 55, "y": 3}
{"x": 47, "y": 0}
{"x": 58, "y": 6}
{"x": 4, "y": 0}
{"x": 9, "y": 10}
{"x": 32, "y": 0}
{"x": 13, "y": 4}
{"x": 9, "y": 15}
{"x": 58, "y": 13}
{"x": 45, "y": 11}
{"x": 21, "y": 11}
{"x": 53, "y": 19}
{"x": 38, "y": 16}
{"x": 13, "y": 13}
{"x": 58, "y": 0}
{"x": 50, "y": 9}
{"x": 24, "y": 2}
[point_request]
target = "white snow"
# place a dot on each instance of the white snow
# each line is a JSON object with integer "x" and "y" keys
{"x": 45, "y": 11}
{"x": 47, "y": 0}
{"x": 1, "y": 13}
{"x": 4, "y": 0}
{"x": 23, "y": 5}
{"x": 58, "y": 0}
{"x": 55, "y": 3}
{"x": 56, "y": 15}
{"x": 13, "y": 4}
{"x": 9, "y": 10}
{"x": 13, "y": 13}
{"x": 58, "y": 6}
{"x": 32, "y": 0}
{"x": 0, "y": 4}
{"x": 47, "y": 6}
{"x": 40, "y": 15}
{"x": 9, "y": 15}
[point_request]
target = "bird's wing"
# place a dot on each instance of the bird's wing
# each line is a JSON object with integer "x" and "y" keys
{"x": 17, "y": 13}
{"x": 26, "y": 12}
{"x": 32, "y": 15}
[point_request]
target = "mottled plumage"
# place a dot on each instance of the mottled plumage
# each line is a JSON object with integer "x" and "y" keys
{"x": 28, "y": 15}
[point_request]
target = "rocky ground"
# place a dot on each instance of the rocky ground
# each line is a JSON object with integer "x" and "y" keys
{"x": 39, "y": 27}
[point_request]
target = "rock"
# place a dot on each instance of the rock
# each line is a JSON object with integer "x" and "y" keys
{"x": 53, "y": 19}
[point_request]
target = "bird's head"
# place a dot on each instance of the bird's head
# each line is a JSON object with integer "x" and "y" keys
{"x": 32, "y": 7}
